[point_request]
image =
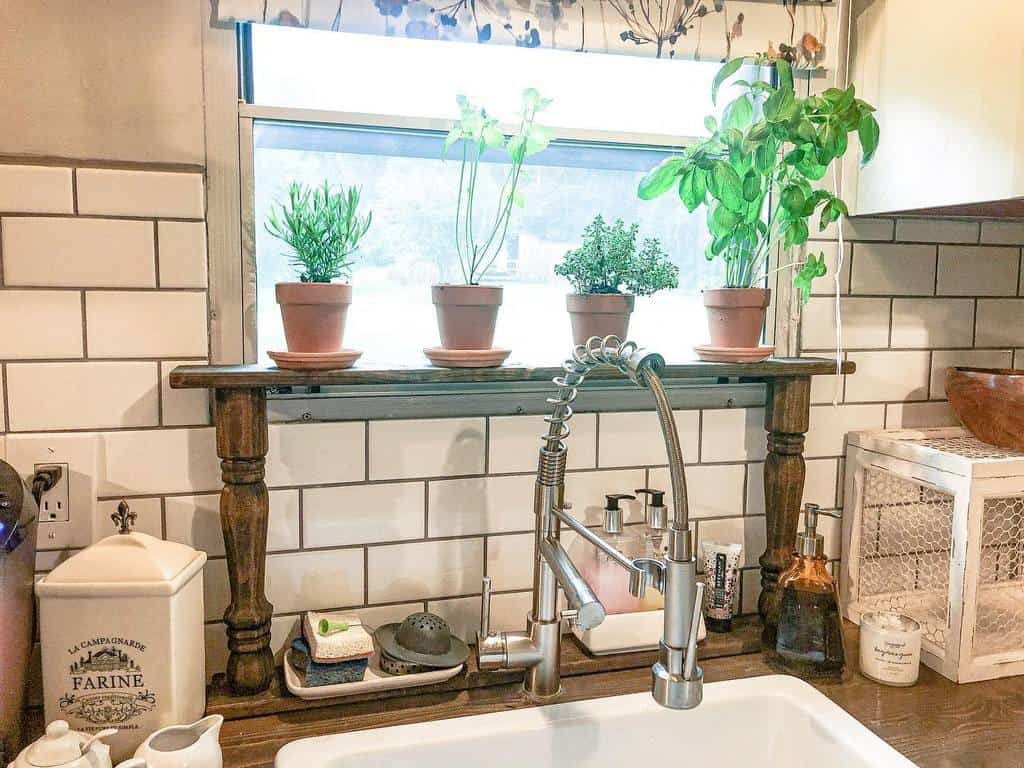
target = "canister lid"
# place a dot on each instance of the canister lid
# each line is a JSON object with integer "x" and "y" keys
{"x": 60, "y": 745}
{"x": 132, "y": 562}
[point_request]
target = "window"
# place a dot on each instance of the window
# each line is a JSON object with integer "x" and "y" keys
{"x": 371, "y": 111}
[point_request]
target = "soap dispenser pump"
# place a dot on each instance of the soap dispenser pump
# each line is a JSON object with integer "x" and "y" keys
{"x": 809, "y": 643}
{"x": 656, "y": 518}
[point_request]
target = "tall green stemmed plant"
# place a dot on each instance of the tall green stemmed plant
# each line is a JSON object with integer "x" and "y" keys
{"x": 477, "y": 132}
{"x": 770, "y": 145}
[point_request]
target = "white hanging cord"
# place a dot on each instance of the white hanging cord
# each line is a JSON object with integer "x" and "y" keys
{"x": 838, "y": 389}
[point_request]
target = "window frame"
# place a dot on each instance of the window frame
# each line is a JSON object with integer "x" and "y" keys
{"x": 231, "y": 232}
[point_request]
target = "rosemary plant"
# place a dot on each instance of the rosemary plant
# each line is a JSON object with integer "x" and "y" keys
{"x": 477, "y": 133}
{"x": 747, "y": 162}
{"x": 608, "y": 262}
{"x": 323, "y": 229}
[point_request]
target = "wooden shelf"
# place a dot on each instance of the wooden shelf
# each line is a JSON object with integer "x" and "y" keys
{"x": 256, "y": 376}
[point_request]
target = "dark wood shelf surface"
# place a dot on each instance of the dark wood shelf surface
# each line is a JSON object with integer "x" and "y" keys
{"x": 256, "y": 376}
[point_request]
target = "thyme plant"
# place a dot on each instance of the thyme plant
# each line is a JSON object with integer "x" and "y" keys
{"x": 770, "y": 148}
{"x": 477, "y": 132}
{"x": 608, "y": 262}
{"x": 323, "y": 229}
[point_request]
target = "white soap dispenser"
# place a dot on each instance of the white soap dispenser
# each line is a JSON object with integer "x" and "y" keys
{"x": 610, "y": 580}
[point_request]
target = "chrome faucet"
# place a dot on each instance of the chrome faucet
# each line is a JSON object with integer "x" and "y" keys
{"x": 677, "y": 681}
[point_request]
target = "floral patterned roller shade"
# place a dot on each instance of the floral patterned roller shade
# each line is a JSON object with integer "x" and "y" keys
{"x": 803, "y": 31}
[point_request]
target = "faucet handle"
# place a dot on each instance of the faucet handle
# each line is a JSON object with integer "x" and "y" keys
{"x": 690, "y": 667}
{"x": 485, "y": 607}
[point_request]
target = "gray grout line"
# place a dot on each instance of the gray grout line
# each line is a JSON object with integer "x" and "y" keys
{"x": 85, "y": 332}
{"x": 106, "y": 216}
{"x": 6, "y": 406}
{"x": 302, "y": 518}
{"x": 74, "y": 191}
{"x": 105, "y": 288}
{"x": 426, "y": 508}
{"x": 30, "y": 360}
{"x": 1, "y": 253}
{"x": 366, "y": 451}
{"x": 159, "y": 394}
{"x": 156, "y": 254}
{"x": 366, "y": 575}
{"x": 974, "y": 327}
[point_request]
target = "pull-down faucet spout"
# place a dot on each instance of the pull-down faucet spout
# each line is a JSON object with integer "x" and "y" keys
{"x": 676, "y": 678}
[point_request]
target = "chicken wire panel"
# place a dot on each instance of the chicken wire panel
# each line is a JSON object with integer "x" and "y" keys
{"x": 999, "y": 624}
{"x": 906, "y": 538}
{"x": 966, "y": 446}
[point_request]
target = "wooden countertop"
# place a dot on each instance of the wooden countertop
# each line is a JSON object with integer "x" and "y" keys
{"x": 935, "y": 723}
{"x": 255, "y": 376}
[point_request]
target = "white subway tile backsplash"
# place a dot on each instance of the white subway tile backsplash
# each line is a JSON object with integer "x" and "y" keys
{"x": 943, "y": 359}
{"x": 751, "y": 590}
{"x": 1002, "y": 232}
{"x": 919, "y": 415}
{"x": 865, "y": 323}
{"x": 866, "y": 228}
{"x": 82, "y": 395}
{"x": 826, "y": 389}
{"x": 362, "y": 514}
{"x": 195, "y": 520}
{"x": 893, "y": 269}
{"x": 475, "y": 505}
{"x": 586, "y": 492}
{"x": 157, "y": 461}
{"x": 515, "y": 440}
{"x": 310, "y": 581}
{"x": 216, "y": 589}
{"x": 35, "y": 189}
{"x": 510, "y": 561}
{"x": 426, "y": 448}
{"x": 711, "y": 491}
{"x": 1000, "y": 323}
{"x": 182, "y": 251}
{"x": 888, "y": 375}
{"x": 146, "y": 323}
{"x": 830, "y": 251}
{"x": 182, "y": 407}
{"x": 151, "y": 194}
{"x": 932, "y": 323}
{"x": 748, "y": 531}
{"x": 829, "y": 425}
{"x": 732, "y": 434}
{"x": 78, "y": 253}
{"x": 972, "y": 270}
{"x": 40, "y": 324}
{"x": 149, "y": 517}
{"x": 375, "y": 617}
{"x": 315, "y": 453}
{"x": 425, "y": 570}
{"x": 635, "y": 439}
{"x": 932, "y": 230}
{"x": 508, "y": 613}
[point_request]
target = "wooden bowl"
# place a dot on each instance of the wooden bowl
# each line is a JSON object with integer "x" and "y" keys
{"x": 990, "y": 403}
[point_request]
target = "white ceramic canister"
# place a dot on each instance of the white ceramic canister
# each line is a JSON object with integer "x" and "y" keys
{"x": 890, "y": 648}
{"x": 121, "y": 629}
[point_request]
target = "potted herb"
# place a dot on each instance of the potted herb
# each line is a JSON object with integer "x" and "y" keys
{"x": 467, "y": 314}
{"x": 769, "y": 149}
{"x": 322, "y": 228}
{"x": 608, "y": 273}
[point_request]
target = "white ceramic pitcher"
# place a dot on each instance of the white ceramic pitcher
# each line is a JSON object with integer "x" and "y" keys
{"x": 181, "y": 746}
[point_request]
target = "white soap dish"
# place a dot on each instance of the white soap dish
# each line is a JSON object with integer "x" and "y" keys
{"x": 374, "y": 680}
{"x": 627, "y": 633}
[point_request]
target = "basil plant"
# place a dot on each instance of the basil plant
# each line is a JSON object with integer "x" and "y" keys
{"x": 768, "y": 151}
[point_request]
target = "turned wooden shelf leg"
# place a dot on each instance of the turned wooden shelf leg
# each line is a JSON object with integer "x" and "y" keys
{"x": 787, "y": 412}
{"x": 241, "y": 420}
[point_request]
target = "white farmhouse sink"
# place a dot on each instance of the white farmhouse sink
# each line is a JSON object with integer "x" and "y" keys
{"x": 752, "y": 723}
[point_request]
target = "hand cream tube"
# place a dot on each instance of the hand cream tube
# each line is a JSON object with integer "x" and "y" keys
{"x": 721, "y": 577}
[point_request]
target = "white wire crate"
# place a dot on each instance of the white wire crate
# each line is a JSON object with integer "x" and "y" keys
{"x": 933, "y": 527}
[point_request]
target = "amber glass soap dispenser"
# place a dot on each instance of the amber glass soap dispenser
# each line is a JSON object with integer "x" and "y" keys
{"x": 810, "y": 635}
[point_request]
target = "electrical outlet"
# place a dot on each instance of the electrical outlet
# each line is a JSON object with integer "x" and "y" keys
{"x": 55, "y": 504}
{"x": 74, "y": 524}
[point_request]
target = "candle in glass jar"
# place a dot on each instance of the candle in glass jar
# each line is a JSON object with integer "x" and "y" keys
{"x": 890, "y": 648}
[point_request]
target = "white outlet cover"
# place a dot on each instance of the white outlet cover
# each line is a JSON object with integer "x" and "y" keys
{"x": 80, "y": 453}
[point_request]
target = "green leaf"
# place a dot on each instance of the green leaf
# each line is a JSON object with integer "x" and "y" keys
{"x": 661, "y": 178}
{"x": 765, "y": 157}
{"x": 531, "y": 98}
{"x": 453, "y": 136}
{"x": 693, "y": 189}
{"x": 711, "y": 124}
{"x": 723, "y": 220}
{"x": 785, "y": 72}
{"x": 751, "y": 186}
{"x": 724, "y": 73}
{"x": 780, "y": 106}
{"x": 812, "y": 268}
{"x": 739, "y": 113}
{"x": 794, "y": 156}
{"x": 537, "y": 140}
{"x": 519, "y": 199}
{"x": 796, "y": 233}
{"x": 793, "y": 200}
{"x": 839, "y": 99}
{"x": 492, "y": 135}
{"x": 868, "y": 132}
{"x": 725, "y": 184}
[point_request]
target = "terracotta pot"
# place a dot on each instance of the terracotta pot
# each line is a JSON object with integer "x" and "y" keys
{"x": 990, "y": 403}
{"x": 467, "y": 314}
{"x": 599, "y": 314}
{"x": 314, "y": 315}
{"x": 736, "y": 315}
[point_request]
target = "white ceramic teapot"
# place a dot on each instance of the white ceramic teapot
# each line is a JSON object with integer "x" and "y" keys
{"x": 61, "y": 747}
{"x": 181, "y": 746}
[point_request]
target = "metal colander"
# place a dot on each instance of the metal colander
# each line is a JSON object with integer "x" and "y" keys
{"x": 424, "y": 639}
{"x": 393, "y": 666}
